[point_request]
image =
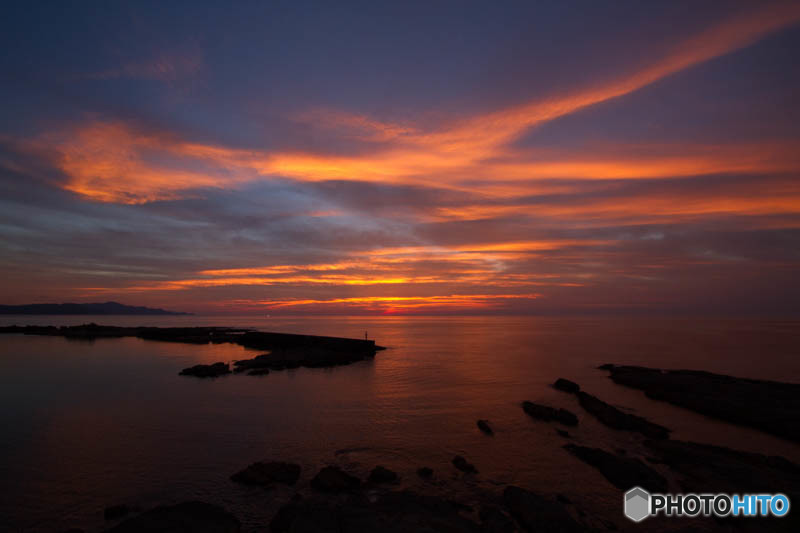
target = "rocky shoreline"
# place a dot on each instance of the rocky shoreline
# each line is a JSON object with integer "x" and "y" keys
{"x": 769, "y": 406}
{"x": 338, "y": 500}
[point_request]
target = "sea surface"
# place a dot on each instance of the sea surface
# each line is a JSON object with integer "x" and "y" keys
{"x": 88, "y": 424}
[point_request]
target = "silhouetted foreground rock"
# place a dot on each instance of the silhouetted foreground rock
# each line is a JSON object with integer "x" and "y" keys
{"x": 545, "y": 412}
{"x": 622, "y": 472}
{"x": 393, "y": 512}
{"x": 264, "y": 474}
{"x": 567, "y": 385}
{"x": 728, "y": 398}
{"x": 382, "y": 474}
{"x": 115, "y": 512}
{"x": 484, "y": 426}
{"x": 287, "y": 350}
{"x": 425, "y": 472}
{"x": 537, "y": 513}
{"x": 614, "y": 418}
{"x": 195, "y": 517}
{"x": 206, "y": 371}
{"x": 705, "y": 468}
{"x": 463, "y": 465}
{"x": 334, "y": 479}
{"x": 494, "y": 520}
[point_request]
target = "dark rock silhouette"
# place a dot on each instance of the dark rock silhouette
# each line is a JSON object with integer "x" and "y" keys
{"x": 286, "y": 350}
{"x": 704, "y": 466}
{"x": 494, "y": 520}
{"x": 545, "y": 412}
{"x": 483, "y": 425}
{"x": 115, "y": 512}
{"x": 195, "y": 517}
{"x": 537, "y": 513}
{"x": 264, "y": 474}
{"x": 614, "y": 418}
{"x": 334, "y": 479}
{"x": 206, "y": 371}
{"x": 392, "y": 512}
{"x": 381, "y": 474}
{"x": 622, "y": 472}
{"x": 567, "y": 385}
{"x": 462, "y": 464}
{"x": 564, "y": 434}
{"x": 258, "y": 372}
{"x": 724, "y": 397}
{"x": 425, "y": 472}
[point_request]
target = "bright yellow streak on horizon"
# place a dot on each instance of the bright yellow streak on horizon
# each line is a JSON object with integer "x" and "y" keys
{"x": 403, "y": 303}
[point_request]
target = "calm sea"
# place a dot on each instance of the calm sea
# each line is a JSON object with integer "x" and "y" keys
{"x": 85, "y": 425}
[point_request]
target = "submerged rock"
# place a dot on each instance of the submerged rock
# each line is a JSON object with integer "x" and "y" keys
{"x": 206, "y": 371}
{"x": 195, "y": 517}
{"x": 462, "y": 464}
{"x": 616, "y": 419}
{"x": 381, "y": 474}
{"x": 567, "y": 385}
{"x": 264, "y": 474}
{"x": 334, "y": 479}
{"x": 545, "y": 412}
{"x": 537, "y": 513}
{"x": 622, "y": 472}
{"x": 724, "y": 397}
{"x": 425, "y": 472}
{"x": 484, "y": 426}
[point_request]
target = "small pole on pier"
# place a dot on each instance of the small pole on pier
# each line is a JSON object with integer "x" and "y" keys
{"x": 365, "y": 335}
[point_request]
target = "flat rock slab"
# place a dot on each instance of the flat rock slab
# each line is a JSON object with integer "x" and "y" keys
{"x": 264, "y": 474}
{"x": 623, "y": 472}
{"x": 547, "y": 413}
{"x": 770, "y": 406}
{"x": 197, "y": 517}
{"x": 616, "y": 419}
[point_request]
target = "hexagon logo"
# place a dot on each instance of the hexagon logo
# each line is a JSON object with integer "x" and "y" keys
{"x": 637, "y": 504}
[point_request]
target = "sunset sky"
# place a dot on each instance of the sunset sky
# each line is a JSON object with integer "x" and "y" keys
{"x": 402, "y": 157}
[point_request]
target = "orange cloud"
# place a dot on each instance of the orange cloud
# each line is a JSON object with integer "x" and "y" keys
{"x": 112, "y": 163}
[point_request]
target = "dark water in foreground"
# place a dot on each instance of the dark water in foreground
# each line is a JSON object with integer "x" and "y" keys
{"x": 84, "y": 425}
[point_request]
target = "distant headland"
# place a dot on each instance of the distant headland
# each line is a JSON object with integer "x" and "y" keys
{"x": 106, "y": 308}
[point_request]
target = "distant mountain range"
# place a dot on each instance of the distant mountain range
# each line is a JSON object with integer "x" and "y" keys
{"x": 107, "y": 308}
